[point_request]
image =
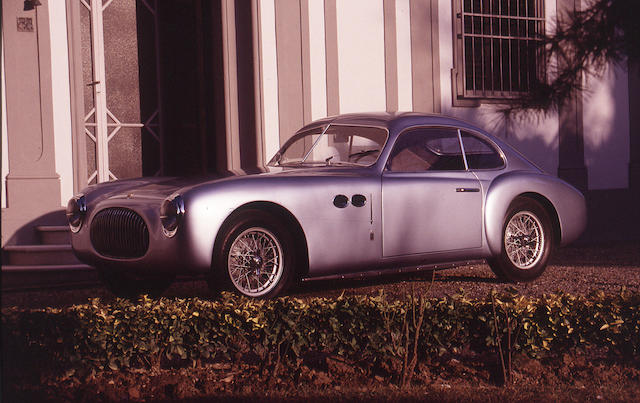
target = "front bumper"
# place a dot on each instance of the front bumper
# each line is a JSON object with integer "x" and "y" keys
{"x": 163, "y": 255}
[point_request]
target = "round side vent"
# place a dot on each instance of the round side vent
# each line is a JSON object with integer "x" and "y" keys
{"x": 358, "y": 200}
{"x": 341, "y": 201}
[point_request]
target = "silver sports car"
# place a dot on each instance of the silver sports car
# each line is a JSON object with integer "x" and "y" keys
{"x": 350, "y": 195}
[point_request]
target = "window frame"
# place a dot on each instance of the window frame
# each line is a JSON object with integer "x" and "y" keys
{"x": 461, "y": 96}
{"x": 410, "y": 130}
{"x": 459, "y": 130}
{"x": 324, "y": 128}
{"x": 497, "y": 149}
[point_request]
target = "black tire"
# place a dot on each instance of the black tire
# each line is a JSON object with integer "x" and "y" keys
{"x": 524, "y": 256}
{"x": 127, "y": 285}
{"x": 256, "y": 256}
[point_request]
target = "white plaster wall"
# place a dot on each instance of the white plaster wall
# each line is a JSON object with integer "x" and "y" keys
{"x": 606, "y": 129}
{"x": 361, "y": 55}
{"x": 403, "y": 39}
{"x": 61, "y": 98}
{"x": 5, "y": 153}
{"x": 269, "y": 74}
{"x": 537, "y": 138}
{"x": 318, "y": 60}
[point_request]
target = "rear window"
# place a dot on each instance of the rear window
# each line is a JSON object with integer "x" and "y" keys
{"x": 480, "y": 153}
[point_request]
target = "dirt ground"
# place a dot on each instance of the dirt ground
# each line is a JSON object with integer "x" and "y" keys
{"x": 572, "y": 378}
{"x": 586, "y": 376}
{"x": 589, "y": 375}
{"x": 575, "y": 270}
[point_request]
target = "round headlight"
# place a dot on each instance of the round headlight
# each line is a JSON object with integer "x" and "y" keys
{"x": 171, "y": 213}
{"x": 76, "y": 210}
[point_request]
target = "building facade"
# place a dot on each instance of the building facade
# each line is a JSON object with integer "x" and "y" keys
{"x": 97, "y": 90}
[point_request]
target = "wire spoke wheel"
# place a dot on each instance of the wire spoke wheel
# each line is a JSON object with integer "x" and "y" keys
{"x": 524, "y": 240}
{"x": 255, "y": 261}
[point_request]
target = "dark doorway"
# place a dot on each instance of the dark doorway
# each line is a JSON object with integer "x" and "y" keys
{"x": 191, "y": 85}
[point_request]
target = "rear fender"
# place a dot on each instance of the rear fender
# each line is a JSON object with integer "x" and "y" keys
{"x": 567, "y": 202}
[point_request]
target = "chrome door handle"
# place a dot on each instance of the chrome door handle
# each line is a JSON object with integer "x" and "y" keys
{"x": 467, "y": 190}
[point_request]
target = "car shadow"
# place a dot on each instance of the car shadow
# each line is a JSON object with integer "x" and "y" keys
{"x": 393, "y": 280}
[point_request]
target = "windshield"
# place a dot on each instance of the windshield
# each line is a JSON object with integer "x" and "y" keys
{"x": 333, "y": 145}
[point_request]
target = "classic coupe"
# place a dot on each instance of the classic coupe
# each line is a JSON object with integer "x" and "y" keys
{"x": 349, "y": 195}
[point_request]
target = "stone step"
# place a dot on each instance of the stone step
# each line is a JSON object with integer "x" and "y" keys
{"x": 54, "y": 234}
{"x": 29, "y": 277}
{"x": 38, "y": 255}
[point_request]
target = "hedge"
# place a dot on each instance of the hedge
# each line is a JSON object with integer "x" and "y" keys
{"x": 365, "y": 329}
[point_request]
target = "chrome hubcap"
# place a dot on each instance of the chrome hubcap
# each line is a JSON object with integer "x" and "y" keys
{"x": 524, "y": 240}
{"x": 255, "y": 262}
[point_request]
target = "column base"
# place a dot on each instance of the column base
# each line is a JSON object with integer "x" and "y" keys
{"x": 578, "y": 177}
{"x": 634, "y": 177}
{"x": 31, "y": 201}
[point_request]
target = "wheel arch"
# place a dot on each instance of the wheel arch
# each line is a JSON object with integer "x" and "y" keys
{"x": 500, "y": 197}
{"x": 551, "y": 210}
{"x": 277, "y": 210}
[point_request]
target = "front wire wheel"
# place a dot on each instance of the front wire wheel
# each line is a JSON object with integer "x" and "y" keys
{"x": 527, "y": 242}
{"x": 255, "y": 262}
{"x": 256, "y": 255}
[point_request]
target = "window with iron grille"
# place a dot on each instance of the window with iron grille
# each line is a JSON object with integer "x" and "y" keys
{"x": 497, "y": 52}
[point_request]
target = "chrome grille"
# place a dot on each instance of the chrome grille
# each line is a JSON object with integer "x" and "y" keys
{"x": 120, "y": 233}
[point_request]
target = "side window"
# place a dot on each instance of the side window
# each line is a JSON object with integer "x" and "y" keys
{"x": 480, "y": 154}
{"x": 427, "y": 149}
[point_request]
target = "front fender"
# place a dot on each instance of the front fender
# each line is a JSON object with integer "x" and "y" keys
{"x": 336, "y": 237}
{"x": 568, "y": 202}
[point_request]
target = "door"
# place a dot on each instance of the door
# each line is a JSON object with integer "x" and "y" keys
{"x": 430, "y": 201}
{"x": 121, "y": 96}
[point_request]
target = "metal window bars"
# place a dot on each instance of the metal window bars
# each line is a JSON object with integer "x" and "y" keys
{"x": 500, "y": 40}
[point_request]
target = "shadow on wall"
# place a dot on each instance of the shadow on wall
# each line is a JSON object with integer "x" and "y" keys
{"x": 612, "y": 206}
{"x": 606, "y": 127}
{"x": 534, "y": 135}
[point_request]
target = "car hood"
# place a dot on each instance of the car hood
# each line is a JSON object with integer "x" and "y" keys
{"x": 163, "y": 187}
{"x": 146, "y": 188}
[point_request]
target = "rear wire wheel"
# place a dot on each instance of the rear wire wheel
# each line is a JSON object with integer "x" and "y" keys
{"x": 527, "y": 242}
{"x": 257, "y": 255}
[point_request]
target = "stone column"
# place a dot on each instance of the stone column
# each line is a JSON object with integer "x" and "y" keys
{"x": 33, "y": 186}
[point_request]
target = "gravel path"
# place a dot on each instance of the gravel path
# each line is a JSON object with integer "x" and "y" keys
{"x": 575, "y": 269}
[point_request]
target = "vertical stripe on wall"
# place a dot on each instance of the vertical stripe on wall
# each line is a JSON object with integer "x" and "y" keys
{"x": 289, "y": 57}
{"x": 76, "y": 96}
{"x": 605, "y": 128}
{"x": 390, "y": 55}
{"x": 257, "y": 81}
{"x": 230, "y": 84}
{"x": 269, "y": 63}
{"x": 361, "y": 58}
{"x": 403, "y": 49}
{"x": 62, "y": 104}
{"x": 331, "y": 44}
{"x": 571, "y": 142}
{"x": 425, "y": 55}
{"x": 3, "y": 112}
{"x": 306, "y": 61}
{"x": 318, "y": 61}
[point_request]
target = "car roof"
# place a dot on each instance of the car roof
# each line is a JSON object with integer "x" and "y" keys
{"x": 395, "y": 122}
